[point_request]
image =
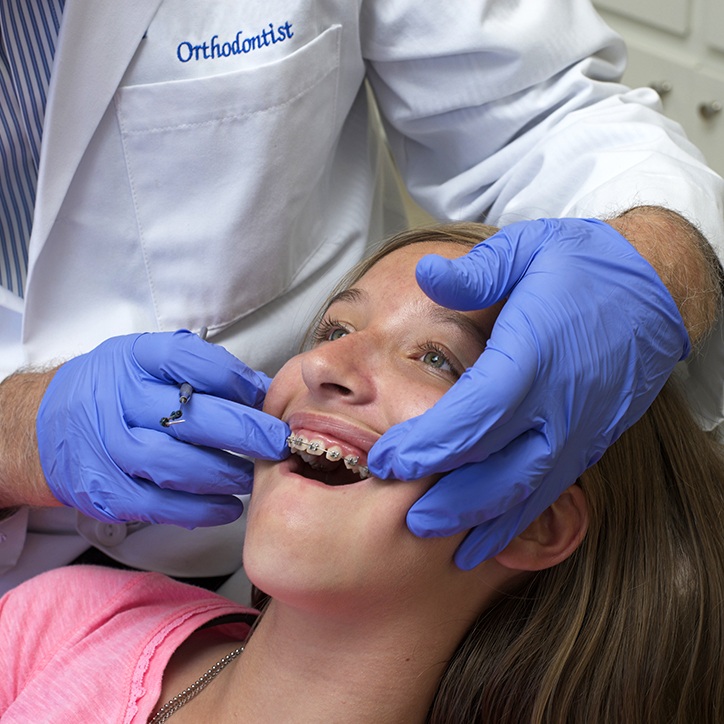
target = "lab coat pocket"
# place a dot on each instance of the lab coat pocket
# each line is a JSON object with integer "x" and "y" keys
{"x": 226, "y": 174}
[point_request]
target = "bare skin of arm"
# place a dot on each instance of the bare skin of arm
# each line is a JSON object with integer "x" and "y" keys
{"x": 21, "y": 477}
{"x": 684, "y": 261}
{"x": 677, "y": 251}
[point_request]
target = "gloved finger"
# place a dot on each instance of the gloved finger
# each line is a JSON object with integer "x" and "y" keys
{"x": 172, "y": 464}
{"x": 480, "y": 492}
{"x": 490, "y": 538}
{"x": 478, "y": 416}
{"x": 212, "y": 422}
{"x": 487, "y": 273}
{"x": 145, "y": 501}
{"x": 184, "y": 357}
{"x": 219, "y": 423}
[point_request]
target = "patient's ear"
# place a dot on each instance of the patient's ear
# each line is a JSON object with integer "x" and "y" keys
{"x": 551, "y": 537}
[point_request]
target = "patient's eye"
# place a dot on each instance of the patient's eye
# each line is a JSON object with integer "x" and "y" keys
{"x": 330, "y": 330}
{"x": 434, "y": 356}
{"x": 435, "y": 359}
{"x": 337, "y": 334}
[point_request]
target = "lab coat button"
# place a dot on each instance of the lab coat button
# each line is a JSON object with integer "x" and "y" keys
{"x": 110, "y": 534}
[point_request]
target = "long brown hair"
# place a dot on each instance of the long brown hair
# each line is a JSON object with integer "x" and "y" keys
{"x": 631, "y": 627}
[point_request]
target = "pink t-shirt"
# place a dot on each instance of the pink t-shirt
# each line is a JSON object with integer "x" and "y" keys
{"x": 89, "y": 644}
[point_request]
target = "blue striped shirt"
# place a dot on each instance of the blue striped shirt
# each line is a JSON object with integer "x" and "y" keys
{"x": 28, "y": 34}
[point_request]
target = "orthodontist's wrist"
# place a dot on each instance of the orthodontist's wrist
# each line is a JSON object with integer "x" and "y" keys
{"x": 22, "y": 481}
{"x": 684, "y": 261}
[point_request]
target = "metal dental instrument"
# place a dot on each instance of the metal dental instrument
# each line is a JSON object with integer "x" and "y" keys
{"x": 184, "y": 395}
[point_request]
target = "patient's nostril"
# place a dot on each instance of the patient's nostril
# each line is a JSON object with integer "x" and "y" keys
{"x": 337, "y": 389}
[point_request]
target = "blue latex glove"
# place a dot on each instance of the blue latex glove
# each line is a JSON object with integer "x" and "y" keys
{"x": 104, "y": 451}
{"x": 587, "y": 338}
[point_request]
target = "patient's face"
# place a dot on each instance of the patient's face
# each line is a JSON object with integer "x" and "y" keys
{"x": 384, "y": 352}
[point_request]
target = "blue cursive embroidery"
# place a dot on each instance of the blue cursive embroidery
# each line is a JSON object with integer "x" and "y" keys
{"x": 214, "y": 48}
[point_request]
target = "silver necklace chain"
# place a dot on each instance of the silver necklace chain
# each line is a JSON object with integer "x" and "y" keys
{"x": 173, "y": 705}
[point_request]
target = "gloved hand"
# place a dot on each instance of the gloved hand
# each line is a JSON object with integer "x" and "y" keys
{"x": 585, "y": 341}
{"x": 104, "y": 451}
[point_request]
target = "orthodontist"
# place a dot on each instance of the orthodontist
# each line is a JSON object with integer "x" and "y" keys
{"x": 143, "y": 194}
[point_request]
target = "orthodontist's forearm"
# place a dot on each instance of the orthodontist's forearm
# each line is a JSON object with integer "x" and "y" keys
{"x": 21, "y": 477}
{"x": 682, "y": 258}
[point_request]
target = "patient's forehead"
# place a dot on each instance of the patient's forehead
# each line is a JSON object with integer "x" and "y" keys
{"x": 393, "y": 277}
{"x": 403, "y": 261}
{"x": 448, "y": 249}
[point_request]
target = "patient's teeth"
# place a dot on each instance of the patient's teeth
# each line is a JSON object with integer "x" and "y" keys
{"x": 350, "y": 461}
{"x": 297, "y": 442}
{"x": 315, "y": 447}
{"x": 314, "y": 461}
{"x": 314, "y": 453}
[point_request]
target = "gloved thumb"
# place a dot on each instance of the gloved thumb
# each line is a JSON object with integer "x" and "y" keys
{"x": 483, "y": 276}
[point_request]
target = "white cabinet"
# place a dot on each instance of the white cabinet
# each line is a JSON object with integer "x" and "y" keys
{"x": 677, "y": 47}
{"x": 670, "y": 15}
{"x": 714, "y": 28}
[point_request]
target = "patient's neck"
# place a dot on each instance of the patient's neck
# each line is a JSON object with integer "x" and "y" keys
{"x": 301, "y": 667}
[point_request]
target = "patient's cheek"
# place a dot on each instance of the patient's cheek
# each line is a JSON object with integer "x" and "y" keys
{"x": 282, "y": 388}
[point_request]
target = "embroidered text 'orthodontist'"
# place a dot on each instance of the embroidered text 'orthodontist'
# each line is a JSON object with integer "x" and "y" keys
{"x": 214, "y": 48}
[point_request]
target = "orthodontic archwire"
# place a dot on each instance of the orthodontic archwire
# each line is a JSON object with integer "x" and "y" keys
{"x": 297, "y": 443}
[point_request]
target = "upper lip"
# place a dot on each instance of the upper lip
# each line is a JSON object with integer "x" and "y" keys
{"x": 340, "y": 429}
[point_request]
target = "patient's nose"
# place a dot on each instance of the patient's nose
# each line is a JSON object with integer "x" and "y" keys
{"x": 343, "y": 368}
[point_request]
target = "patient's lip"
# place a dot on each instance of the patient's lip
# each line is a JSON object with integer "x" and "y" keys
{"x": 337, "y": 429}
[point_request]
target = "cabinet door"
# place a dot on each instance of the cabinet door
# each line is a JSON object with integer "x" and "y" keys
{"x": 714, "y": 30}
{"x": 670, "y": 15}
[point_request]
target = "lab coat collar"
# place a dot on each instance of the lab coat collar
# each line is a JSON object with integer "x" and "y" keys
{"x": 97, "y": 41}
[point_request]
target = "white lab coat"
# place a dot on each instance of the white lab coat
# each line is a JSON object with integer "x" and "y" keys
{"x": 212, "y": 163}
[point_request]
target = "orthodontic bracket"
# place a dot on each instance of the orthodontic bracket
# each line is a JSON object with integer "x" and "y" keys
{"x": 350, "y": 461}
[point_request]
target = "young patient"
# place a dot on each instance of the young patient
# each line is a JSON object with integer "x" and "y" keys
{"x": 607, "y": 608}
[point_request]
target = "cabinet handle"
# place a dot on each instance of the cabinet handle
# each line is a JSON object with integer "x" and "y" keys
{"x": 662, "y": 87}
{"x": 709, "y": 109}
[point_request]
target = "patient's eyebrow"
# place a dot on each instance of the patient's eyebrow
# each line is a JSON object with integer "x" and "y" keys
{"x": 442, "y": 315}
{"x": 353, "y": 295}
{"x": 464, "y": 323}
